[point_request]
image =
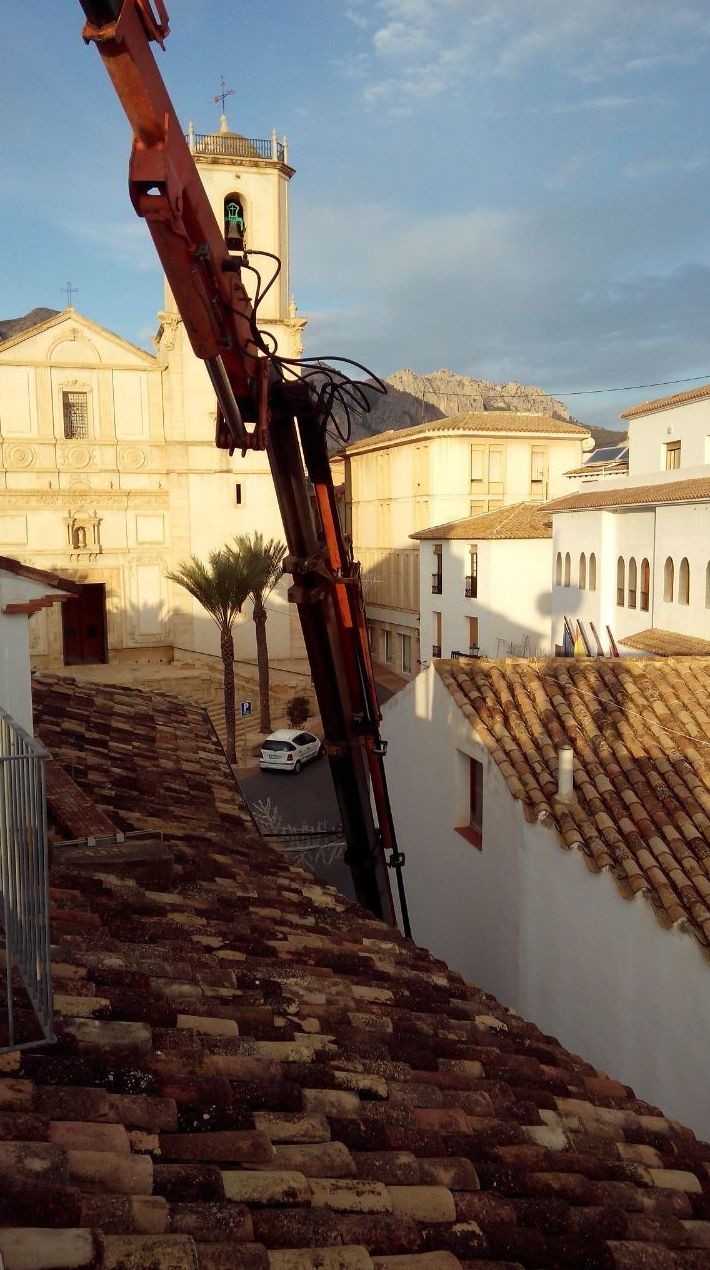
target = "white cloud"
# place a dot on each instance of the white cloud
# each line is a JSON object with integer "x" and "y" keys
{"x": 573, "y": 296}
{"x": 422, "y": 50}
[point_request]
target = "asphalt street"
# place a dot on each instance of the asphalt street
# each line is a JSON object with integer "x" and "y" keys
{"x": 281, "y": 802}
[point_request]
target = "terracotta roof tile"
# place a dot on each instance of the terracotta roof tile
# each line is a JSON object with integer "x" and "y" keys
{"x": 690, "y": 490}
{"x": 663, "y": 403}
{"x": 519, "y": 520}
{"x": 640, "y": 733}
{"x": 420, "y": 1127}
{"x": 474, "y": 421}
{"x": 661, "y": 643}
{"x": 8, "y": 564}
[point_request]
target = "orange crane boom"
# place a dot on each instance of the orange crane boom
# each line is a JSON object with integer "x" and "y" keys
{"x": 205, "y": 279}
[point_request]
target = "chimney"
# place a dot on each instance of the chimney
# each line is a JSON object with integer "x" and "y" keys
{"x": 565, "y": 773}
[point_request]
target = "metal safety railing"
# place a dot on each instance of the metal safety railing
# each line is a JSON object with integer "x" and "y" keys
{"x": 230, "y": 145}
{"x": 24, "y": 884}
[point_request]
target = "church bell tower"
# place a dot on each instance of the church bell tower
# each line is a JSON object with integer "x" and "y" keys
{"x": 247, "y": 182}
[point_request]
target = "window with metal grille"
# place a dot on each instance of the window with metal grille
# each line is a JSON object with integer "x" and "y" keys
{"x": 76, "y": 415}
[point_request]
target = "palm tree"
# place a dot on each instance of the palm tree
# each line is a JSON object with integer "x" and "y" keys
{"x": 262, "y": 561}
{"x": 221, "y": 587}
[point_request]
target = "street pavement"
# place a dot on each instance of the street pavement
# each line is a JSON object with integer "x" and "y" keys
{"x": 281, "y": 802}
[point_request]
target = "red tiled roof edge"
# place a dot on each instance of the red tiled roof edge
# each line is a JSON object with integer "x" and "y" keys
{"x": 694, "y": 489}
{"x": 662, "y": 403}
{"x": 10, "y": 565}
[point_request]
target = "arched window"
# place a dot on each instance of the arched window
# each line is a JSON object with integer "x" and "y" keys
{"x": 668, "y": 581}
{"x": 620, "y": 581}
{"x": 582, "y": 572}
{"x": 234, "y": 223}
{"x": 632, "y": 583}
{"x": 568, "y": 568}
{"x": 684, "y": 582}
{"x": 592, "y": 571}
{"x": 645, "y": 585}
{"x": 707, "y": 585}
{"x": 558, "y": 569}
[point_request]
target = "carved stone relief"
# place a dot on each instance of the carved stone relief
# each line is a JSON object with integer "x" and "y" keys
{"x": 83, "y": 534}
{"x": 19, "y": 456}
{"x": 132, "y": 457}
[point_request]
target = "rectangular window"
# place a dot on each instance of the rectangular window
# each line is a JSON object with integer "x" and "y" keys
{"x": 436, "y": 646}
{"x": 477, "y": 457}
{"x": 388, "y": 646}
{"x": 537, "y": 469}
{"x": 472, "y": 575}
{"x": 470, "y": 800}
{"x": 473, "y": 636}
{"x": 672, "y": 456}
{"x": 75, "y": 406}
{"x": 495, "y": 467}
{"x": 436, "y": 577}
{"x": 406, "y": 654}
{"x": 238, "y": 494}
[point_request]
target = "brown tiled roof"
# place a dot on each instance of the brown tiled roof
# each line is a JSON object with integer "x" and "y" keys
{"x": 519, "y": 520}
{"x": 8, "y": 564}
{"x": 498, "y": 421}
{"x": 667, "y": 643}
{"x": 640, "y": 731}
{"x": 254, "y": 1074}
{"x": 662, "y": 403}
{"x": 688, "y": 491}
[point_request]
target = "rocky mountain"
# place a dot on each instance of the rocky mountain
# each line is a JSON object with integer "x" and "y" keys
{"x": 15, "y": 326}
{"x": 413, "y": 399}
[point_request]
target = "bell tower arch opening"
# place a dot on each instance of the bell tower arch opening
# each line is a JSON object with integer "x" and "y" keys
{"x": 234, "y": 222}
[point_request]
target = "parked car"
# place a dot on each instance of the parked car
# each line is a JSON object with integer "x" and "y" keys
{"x": 288, "y": 749}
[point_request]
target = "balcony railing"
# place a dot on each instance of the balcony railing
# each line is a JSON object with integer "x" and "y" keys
{"x": 24, "y": 886}
{"x": 436, "y": 584}
{"x": 436, "y": 650}
{"x": 471, "y": 586}
{"x": 229, "y": 145}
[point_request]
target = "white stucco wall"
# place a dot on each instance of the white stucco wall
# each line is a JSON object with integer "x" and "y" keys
{"x": 15, "y": 680}
{"x": 526, "y": 920}
{"x": 677, "y": 531}
{"x": 512, "y": 604}
{"x": 649, "y": 434}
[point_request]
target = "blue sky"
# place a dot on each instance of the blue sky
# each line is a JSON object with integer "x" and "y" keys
{"x": 507, "y": 188}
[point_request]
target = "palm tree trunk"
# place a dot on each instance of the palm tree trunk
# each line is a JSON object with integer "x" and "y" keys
{"x": 262, "y": 662}
{"x": 227, "y": 648}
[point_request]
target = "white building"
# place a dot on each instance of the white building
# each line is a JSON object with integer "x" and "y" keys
{"x": 23, "y": 592}
{"x": 484, "y": 584}
{"x": 589, "y": 910}
{"x": 631, "y": 555}
{"x": 108, "y": 469}
{"x": 405, "y": 480}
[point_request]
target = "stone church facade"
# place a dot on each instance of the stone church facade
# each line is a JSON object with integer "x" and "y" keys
{"x": 108, "y": 470}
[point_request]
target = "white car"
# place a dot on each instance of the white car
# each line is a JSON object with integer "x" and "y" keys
{"x": 288, "y": 749}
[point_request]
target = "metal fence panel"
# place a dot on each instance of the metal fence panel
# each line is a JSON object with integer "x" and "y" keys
{"x": 24, "y": 879}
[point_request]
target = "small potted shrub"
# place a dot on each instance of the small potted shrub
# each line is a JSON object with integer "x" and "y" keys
{"x": 298, "y": 709}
